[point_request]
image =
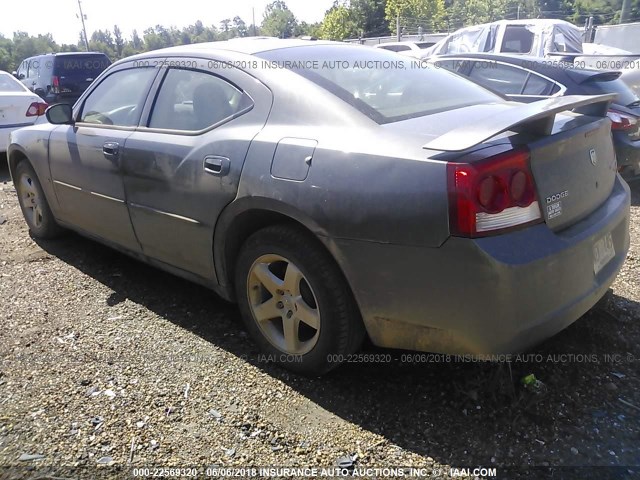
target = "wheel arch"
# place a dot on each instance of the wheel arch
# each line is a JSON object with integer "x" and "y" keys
{"x": 14, "y": 156}
{"x": 243, "y": 218}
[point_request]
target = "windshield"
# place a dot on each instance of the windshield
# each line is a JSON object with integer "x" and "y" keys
{"x": 384, "y": 86}
{"x": 9, "y": 85}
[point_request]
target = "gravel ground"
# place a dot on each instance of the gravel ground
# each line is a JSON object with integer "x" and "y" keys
{"x": 108, "y": 364}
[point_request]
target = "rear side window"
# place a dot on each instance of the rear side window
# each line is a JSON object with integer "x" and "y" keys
{"x": 8, "y": 84}
{"x": 88, "y": 66}
{"x": 385, "y": 87}
{"x": 453, "y": 65}
{"x": 190, "y": 100}
{"x": 501, "y": 78}
{"x": 119, "y": 98}
{"x": 536, "y": 85}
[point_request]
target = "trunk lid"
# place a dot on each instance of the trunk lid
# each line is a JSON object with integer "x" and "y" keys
{"x": 572, "y": 157}
{"x": 574, "y": 172}
{"x": 13, "y": 108}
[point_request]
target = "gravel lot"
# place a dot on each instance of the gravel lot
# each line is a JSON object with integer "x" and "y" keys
{"x": 107, "y": 364}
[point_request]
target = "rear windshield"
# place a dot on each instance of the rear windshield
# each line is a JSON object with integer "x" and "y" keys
{"x": 382, "y": 85}
{"x": 626, "y": 96}
{"x": 85, "y": 65}
{"x": 8, "y": 84}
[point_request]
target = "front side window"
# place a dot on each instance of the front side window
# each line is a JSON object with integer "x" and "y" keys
{"x": 119, "y": 98}
{"x": 190, "y": 100}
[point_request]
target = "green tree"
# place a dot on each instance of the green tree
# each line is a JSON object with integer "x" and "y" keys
{"x": 339, "y": 23}
{"x": 472, "y": 12}
{"x": 102, "y": 41}
{"x": 6, "y": 54}
{"x": 427, "y": 14}
{"x": 369, "y": 17}
{"x": 239, "y": 27}
{"x": 278, "y": 20}
{"x": 118, "y": 41}
{"x": 603, "y": 11}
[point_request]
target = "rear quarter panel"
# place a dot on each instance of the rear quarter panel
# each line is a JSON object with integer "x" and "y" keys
{"x": 362, "y": 184}
{"x": 365, "y": 181}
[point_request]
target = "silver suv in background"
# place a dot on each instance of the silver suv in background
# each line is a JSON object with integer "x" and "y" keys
{"x": 61, "y": 77}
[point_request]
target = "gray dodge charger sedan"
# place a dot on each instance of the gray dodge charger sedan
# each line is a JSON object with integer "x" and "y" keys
{"x": 336, "y": 191}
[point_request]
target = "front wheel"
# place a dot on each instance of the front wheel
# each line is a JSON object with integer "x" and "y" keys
{"x": 33, "y": 203}
{"x": 295, "y": 301}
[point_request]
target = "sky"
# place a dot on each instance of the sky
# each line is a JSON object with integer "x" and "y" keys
{"x": 58, "y": 17}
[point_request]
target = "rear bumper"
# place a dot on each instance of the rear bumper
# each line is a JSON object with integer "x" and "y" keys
{"x": 5, "y": 132}
{"x": 493, "y": 295}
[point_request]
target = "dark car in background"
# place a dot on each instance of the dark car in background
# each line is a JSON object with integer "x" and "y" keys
{"x": 61, "y": 77}
{"x": 528, "y": 79}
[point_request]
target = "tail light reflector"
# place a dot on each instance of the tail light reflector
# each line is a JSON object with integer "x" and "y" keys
{"x": 55, "y": 84}
{"x": 36, "y": 109}
{"x": 622, "y": 121}
{"x": 492, "y": 195}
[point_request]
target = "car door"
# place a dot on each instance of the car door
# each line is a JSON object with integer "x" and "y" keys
{"x": 86, "y": 157}
{"x": 184, "y": 167}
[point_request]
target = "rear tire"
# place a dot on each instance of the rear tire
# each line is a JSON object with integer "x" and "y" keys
{"x": 295, "y": 301}
{"x": 33, "y": 203}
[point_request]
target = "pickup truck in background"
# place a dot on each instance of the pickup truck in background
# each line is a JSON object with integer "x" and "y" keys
{"x": 554, "y": 40}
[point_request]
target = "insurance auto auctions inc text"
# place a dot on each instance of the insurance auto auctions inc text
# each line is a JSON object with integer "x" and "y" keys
{"x": 364, "y": 472}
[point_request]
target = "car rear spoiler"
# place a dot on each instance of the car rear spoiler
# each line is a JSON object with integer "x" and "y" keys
{"x": 536, "y": 118}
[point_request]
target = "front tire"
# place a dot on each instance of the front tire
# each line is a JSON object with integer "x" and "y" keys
{"x": 295, "y": 301}
{"x": 33, "y": 203}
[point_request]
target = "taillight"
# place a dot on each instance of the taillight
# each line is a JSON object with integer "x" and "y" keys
{"x": 36, "y": 109}
{"x": 55, "y": 84}
{"x": 622, "y": 121}
{"x": 492, "y": 195}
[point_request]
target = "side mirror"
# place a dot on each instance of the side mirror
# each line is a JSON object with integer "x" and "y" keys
{"x": 60, "y": 114}
{"x": 15, "y": 74}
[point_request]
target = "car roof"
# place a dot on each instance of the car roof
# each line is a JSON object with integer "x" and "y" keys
{"x": 64, "y": 54}
{"x": 248, "y": 45}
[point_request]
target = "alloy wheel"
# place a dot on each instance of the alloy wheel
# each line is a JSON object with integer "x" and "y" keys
{"x": 283, "y": 304}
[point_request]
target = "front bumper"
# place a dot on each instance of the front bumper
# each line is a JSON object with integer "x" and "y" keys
{"x": 492, "y": 295}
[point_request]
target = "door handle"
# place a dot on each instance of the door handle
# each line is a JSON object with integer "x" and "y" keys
{"x": 111, "y": 149}
{"x": 216, "y": 165}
